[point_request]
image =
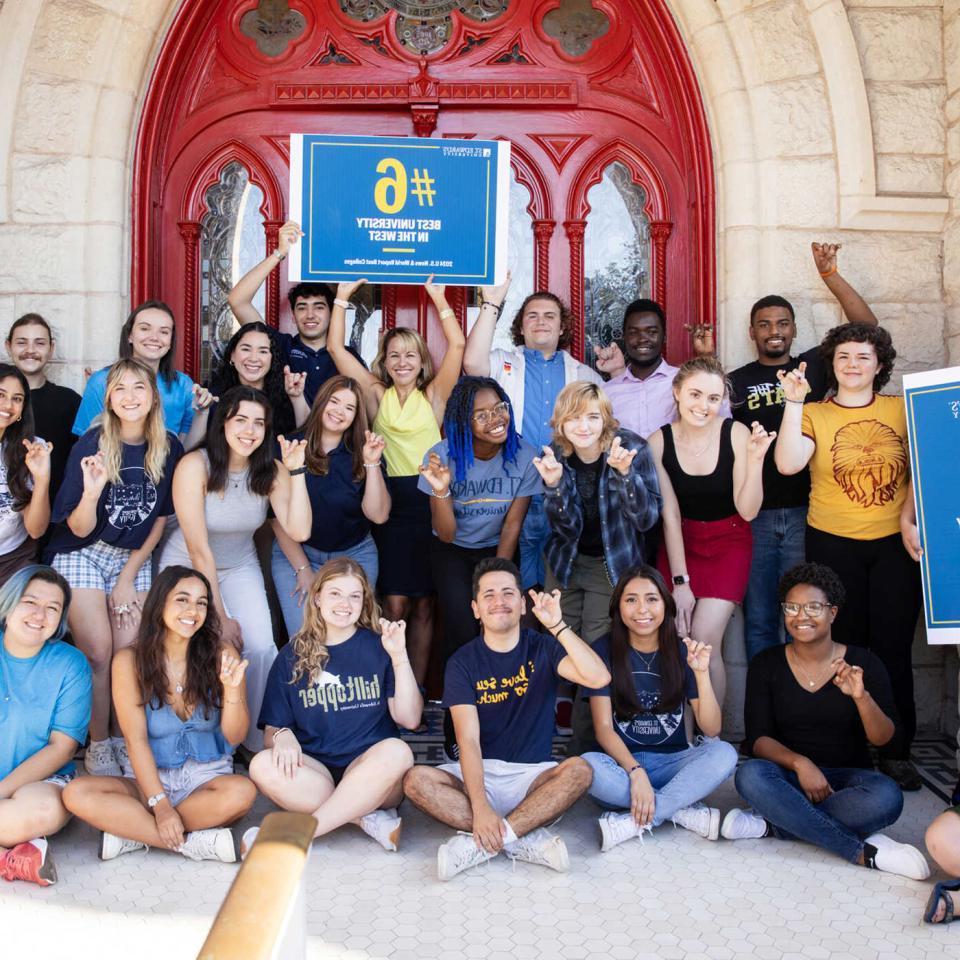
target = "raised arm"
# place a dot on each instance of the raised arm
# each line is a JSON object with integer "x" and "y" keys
{"x": 289, "y": 497}
{"x": 793, "y": 450}
{"x": 439, "y": 388}
{"x": 442, "y": 519}
{"x": 749, "y": 450}
{"x": 476, "y": 355}
{"x": 581, "y": 664}
{"x": 241, "y": 296}
{"x": 347, "y": 364}
{"x": 376, "y": 498}
{"x": 406, "y": 704}
{"x": 854, "y": 307}
{"x": 36, "y": 514}
{"x": 706, "y": 709}
{"x": 636, "y": 473}
{"x": 82, "y": 520}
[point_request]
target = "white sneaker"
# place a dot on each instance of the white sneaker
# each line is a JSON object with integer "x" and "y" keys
{"x": 210, "y": 845}
{"x": 698, "y": 818}
{"x": 616, "y": 828}
{"x": 541, "y": 847}
{"x": 899, "y": 858}
{"x": 459, "y": 854}
{"x": 121, "y": 755}
{"x": 743, "y": 825}
{"x": 247, "y": 840}
{"x": 384, "y": 826}
{"x": 99, "y": 759}
{"x": 112, "y": 846}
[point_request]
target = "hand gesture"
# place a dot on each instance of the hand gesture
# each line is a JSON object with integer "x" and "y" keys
{"x": 549, "y": 469}
{"x": 290, "y": 233}
{"x": 910, "y": 534}
{"x": 287, "y": 755}
{"x": 643, "y": 801}
{"x": 698, "y": 655}
{"x": 436, "y": 474}
{"x": 825, "y": 256}
{"x": 794, "y": 383}
{"x": 38, "y": 458}
{"x": 293, "y": 383}
{"x": 303, "y": 582}
{"x": 849, "y": 679}
{"x": 292, "y": 452}
{"x": 347, "y": 289}
{"x": 124, "y": 604}
{"x": 393, "y": 636}
{"x": 812, "y": 781}
{"x": 169, "y": 825}
{"x": 759, "y": 442}
{"x": 94, "y": 470}
{"x": 685, "y": 600}
{"x": 703, "y": 336}
{"x": 610, "y": 359}
{"x": 546, "y": 608}
{"x": 488, "y": 829}
{"x": 373, "y": 445}
{"x": 496, "y": 295}
{"x": 202, "y": 397}
{"x": 435, "y": 291}
{"x": 620, "y": 457}
{"x": 232, "y": 670}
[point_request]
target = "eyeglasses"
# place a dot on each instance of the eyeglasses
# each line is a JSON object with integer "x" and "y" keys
{"x": 485, "y": 416}
{"x": 812, "y": 609}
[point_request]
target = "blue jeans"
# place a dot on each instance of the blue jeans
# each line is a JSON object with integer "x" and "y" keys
{"x": 533, "y": 539}
{"x": 778, "y": 544}
{"x": 862, "y": 803}
{"x": 284, "y": 579}
{"x": 678, "y": 779}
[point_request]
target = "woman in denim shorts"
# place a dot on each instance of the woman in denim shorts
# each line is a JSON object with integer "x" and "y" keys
{"x": 181, "y": 700}
{"x": 110, "y": 512}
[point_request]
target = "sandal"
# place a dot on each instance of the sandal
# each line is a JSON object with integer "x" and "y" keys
{"x": 941, "y": 893}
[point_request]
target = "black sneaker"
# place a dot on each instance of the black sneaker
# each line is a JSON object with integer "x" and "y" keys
{"x": 903, "y": 771}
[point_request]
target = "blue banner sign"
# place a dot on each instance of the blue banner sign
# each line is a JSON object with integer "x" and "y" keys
{"x": 397, "y": 209}
{"x": 933, "y": 425}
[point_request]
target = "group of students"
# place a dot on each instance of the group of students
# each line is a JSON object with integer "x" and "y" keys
{"x": 639, "y": 541}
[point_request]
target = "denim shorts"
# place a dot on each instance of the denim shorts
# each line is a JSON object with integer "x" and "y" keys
{"x": 61, "y": 779}
{"x": 179, "y": 782}
{"x": 506, "y": 784}
{"x": 98, "y": 566}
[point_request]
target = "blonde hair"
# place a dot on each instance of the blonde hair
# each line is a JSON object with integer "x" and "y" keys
{"x": 309, "y": 642}
{"x": 572, "y": 402}
{"x": 407, "y": 338}
{"x": 155, "y": 433}
{"x": 705, "y": 364}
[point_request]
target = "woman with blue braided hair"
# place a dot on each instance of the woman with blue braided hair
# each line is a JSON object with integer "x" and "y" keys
{"x": 480, "y": 479}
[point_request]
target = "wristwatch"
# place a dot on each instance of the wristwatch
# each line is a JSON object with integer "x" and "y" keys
{"x": 680, "y": 579}
{"x": 155, "y": 800}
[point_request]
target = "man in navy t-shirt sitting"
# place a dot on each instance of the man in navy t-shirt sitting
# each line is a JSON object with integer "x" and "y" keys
{"x": 501, "y": 689}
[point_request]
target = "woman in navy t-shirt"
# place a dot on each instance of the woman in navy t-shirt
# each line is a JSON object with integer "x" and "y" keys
{"x": 110, "y": 512}
{"x": 648, "y": 768}
{"x": 334, "y": 698}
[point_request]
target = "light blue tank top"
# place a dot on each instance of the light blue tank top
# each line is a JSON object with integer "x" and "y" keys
{"x": 174, "y": 741}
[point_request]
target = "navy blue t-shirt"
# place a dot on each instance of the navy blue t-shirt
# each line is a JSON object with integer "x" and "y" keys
{"x": 126, "y": 510}
{"x": 318, "y": 365}
{"x": 515, "y": 695}
{"x": 345, "y": 712}
{"x": 649, "y": 732}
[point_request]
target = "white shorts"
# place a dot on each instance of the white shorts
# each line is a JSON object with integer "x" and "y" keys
{"x": 505, "y": 783}
{"x": 179, "y": 782}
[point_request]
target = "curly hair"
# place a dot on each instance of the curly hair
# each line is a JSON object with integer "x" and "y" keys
{"x": 458, "y": 424}
{"x": 814, "y": 575}
{"x": 877, "y": 337}
{"x": 566, "y": 320}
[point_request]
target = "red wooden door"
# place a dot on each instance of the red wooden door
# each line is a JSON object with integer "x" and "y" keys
{"x": 611, "y": 157}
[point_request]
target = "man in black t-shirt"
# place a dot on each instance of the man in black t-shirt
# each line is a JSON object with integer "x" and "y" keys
{"x": 30, "y": 346}
{"x": 780, "y": 528}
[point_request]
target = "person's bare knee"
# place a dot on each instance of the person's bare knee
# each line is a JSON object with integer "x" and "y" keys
{"x": 394, "y": 757}
{"x": 262, "y": 769}
{"x": 239, "y": 796}
{"x": 578, "y": 772}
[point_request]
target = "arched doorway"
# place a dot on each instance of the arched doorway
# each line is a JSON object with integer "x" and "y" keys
{"x": 613, "y": 184}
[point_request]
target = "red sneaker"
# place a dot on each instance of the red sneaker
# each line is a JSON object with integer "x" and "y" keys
{"x": 29, "y": 861}
{"x": 564, "y": 716}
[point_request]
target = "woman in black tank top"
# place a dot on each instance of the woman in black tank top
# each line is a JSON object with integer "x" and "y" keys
{"x": 711, "y": 479}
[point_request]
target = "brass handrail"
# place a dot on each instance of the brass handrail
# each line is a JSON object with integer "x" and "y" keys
{"x": 252, "y": 916}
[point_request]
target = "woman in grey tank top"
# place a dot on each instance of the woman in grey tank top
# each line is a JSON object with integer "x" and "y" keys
{"x": 221, "y": 493}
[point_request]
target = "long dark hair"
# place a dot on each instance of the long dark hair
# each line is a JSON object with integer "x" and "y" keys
{"x": 622, "y": 689}
{"x": 353, "y": 437}
{"x": 202, "y": 681}
{"x": 225, "y": 376}
{"x": 125, "y": 350}
{"x": 458, "y": 424}
{"x": 262, "y": 468}
{"x": 14, "y": 452}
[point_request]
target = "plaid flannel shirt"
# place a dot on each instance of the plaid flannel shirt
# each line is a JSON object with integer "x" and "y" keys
{"x": 629, "y": 507}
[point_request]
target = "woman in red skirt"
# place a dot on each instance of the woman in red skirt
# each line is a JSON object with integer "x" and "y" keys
{"x": 711, "y": 480}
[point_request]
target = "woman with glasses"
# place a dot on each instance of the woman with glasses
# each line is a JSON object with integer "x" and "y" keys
{"x": 480, "y": 480}
{"x": 814, "y": 707}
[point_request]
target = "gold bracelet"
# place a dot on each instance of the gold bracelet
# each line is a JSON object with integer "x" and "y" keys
{"x": 241, "y": 700}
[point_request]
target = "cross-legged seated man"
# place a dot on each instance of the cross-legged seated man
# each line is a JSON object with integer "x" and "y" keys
{"x": 500, "y": 689}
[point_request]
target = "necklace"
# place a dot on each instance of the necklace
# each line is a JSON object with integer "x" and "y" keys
{"x": 796, "y": 662}
{"x": 647, "y": 663}
{"x": 701, "y": 451}
{"x": 178, "y": 684}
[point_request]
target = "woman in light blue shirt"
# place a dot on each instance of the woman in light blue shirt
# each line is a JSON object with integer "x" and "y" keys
{"x": 45, "y": 692}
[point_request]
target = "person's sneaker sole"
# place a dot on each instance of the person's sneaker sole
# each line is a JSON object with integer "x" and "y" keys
{"x": 714, "y": 832}
{"x": 726, "y": 828}
{"x": 394, "y": 835}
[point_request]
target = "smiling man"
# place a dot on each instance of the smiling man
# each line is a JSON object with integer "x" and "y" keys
{"x": 779, "y": 529}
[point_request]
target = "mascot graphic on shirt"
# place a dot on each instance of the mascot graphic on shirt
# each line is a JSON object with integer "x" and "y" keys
{"x": 132, "y": 500}
{"x": 650, "y": 728}
{"x": 869, "y": 462}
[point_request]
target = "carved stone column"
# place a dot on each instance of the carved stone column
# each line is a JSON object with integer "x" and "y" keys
{"x": 575, "y": 230}
{"x": 271, "y": 229}
{"x": 659, "y": 233}
{"x": 542, "y": 234}
{"x": 190, "y": 233}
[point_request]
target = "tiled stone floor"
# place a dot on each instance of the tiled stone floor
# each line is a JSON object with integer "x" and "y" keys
{"x": 675, "y": 896}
